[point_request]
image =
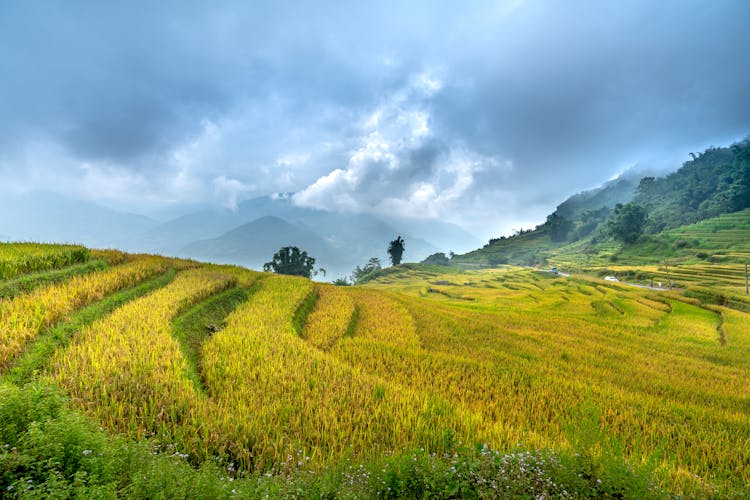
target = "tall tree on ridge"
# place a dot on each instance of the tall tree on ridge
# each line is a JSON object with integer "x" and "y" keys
{"x": 396, "y": 250}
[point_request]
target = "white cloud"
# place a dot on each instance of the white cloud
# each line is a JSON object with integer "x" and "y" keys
{"x": 427, "y": 84}
{"x": 195, "y": 151}
{"x": 292, "y": 159}
{"x": 45, "y": 166}
{"x": 231, "y": 191}
{"x": 399, "y": 166}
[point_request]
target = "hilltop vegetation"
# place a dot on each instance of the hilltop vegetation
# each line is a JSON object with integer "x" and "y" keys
{"x": 424, "y": 382}
{"x": 620, "y": 190}
{"x": 713, "y": 183}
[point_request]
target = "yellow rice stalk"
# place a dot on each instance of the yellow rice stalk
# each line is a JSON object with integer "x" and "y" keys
{"x": 140, "y": 378}
{"x": 280, "y": 394}
{"x": 329, "y": 321}
{"x": 384, "y": 320}
{"x": 24, "y": 316}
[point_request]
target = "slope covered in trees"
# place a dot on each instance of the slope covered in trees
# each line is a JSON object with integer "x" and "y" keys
{"x": 715, "y": 182}
{"x": 622, "y": 214}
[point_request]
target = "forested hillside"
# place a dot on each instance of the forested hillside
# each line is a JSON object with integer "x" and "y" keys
{"x": 715, "y": 182}
{"x": 623, "y": 213}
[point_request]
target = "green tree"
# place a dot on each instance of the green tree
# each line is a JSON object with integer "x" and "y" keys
{"x": 558, "y": 227}
{"x": 360, "y": 272}
{"x": 437, "y": 259}
{"x": 647, "y": 186}
{"x": 396, "y": 250}
{"x": 626, "y": 222}
{"x": 294, "y": 262}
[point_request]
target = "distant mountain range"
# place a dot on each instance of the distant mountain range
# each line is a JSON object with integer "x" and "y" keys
{"x": 247, "y": 235}
{"x": 44, "y": 216}
{"x": 253, "y": 243}
{"x": 251, "y": 233}
{"x": 714, "y": 182}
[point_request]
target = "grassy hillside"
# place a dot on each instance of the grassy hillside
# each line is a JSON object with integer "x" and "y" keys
{"x": 711, "y": 253}
{"x": 426, "y": 381}
{"x": 703, "y": 253}
{"x": 715, "y": 182}
{"x": 698, "y": 212}
{"x": 521, "y": 249}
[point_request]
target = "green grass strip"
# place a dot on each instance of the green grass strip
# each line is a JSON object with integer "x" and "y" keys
{"x": 352, "y": 323}
{"x": 303, "y": 311}
{"x": 38, "y": 352}
{"x": 29, "y": 282}
{"x": 196, "y": 325}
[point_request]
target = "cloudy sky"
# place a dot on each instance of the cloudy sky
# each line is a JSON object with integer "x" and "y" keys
{"x": 488, "y": 114}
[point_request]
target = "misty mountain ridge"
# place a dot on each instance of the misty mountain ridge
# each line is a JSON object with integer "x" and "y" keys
{"x": 622, "y": 189}
{"x": 242, "y": 235}
{"x": 46, "y": 216}
{"x": 350, "y": 239}
{"x": 254, "y": 243}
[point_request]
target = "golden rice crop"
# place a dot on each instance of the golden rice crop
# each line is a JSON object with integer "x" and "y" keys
{"x": 24, "y": 316}
{"x": 653, "y": 368}
{"x": 502, "y": 357}
{"x": 115, "y": 257}
{"x": 22, "y": 258}
{"x": 330, "y": 319}
{"x": 279, "y": 395}
{"x": 128, "y": 370}
{"x": 384, "y": 320}
{"x": 245, "y": 277}
{"x": 111, "y": 256}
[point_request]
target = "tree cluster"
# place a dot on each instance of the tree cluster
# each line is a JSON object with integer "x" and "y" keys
{"x": 438, "y": 259}
{"x": 558, "y": 227}
{"x": 626, "y": 222}
{"x": 292, "y": 261}
{"x": 714, "y": 182}
{"x": 360, "y": 272}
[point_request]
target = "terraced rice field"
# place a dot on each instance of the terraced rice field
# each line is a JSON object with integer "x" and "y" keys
{"x": 712, "y": 252}
{"x": 728, "y": 234}
{"x": 528, "y": 352}
{"x": 295, "y": 375}
{"x": 22, "y": 258}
